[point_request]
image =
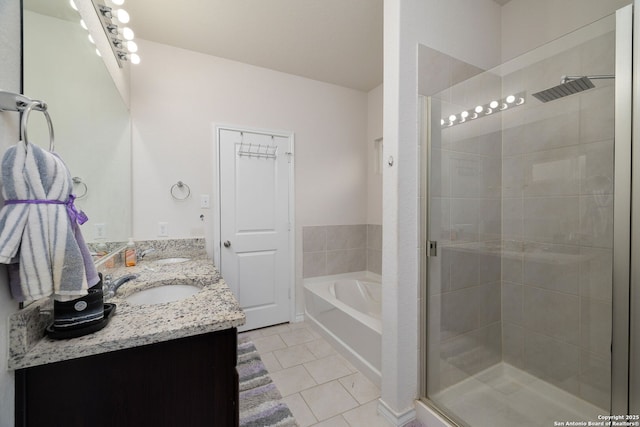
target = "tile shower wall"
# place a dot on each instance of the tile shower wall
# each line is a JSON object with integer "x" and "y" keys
{"x": 337, "y": 249}
{"x": 521, "y": 205}
{"x": 557, "y": 225}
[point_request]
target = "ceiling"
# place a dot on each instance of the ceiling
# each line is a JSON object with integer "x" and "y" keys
{"x": 333, "y": 41}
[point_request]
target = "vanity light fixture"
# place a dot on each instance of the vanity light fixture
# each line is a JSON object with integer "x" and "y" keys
{"x": 117, "y": 43}
{"x": 127, "y": 33}
{"x": 495, "y": 106}
{"x": 132, "y": 46}
{"x": 121, "y": 39}
{"x": 112, "y": 29}
{"x": 110, "y": 17}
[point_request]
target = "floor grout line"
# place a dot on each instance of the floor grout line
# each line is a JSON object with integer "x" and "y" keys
{"x": 352, "y": 370}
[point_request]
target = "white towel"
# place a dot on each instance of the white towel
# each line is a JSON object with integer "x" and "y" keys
{"x": 37, "y": 231}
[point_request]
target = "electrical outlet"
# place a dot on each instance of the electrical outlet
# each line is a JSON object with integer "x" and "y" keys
{"x": 101, "y": 231}
{"x": 204, "y": 201}
{"x": 162, "y": 229}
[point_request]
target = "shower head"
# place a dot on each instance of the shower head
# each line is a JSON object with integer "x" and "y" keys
{"x": 569, "y": 86}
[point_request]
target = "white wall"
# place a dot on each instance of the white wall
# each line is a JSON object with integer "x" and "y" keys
{"x": 374, "y": 172}
{"x": 9, "y": 80}
{"x": 176, "y": 98}
{"x": 527, "y": 24}
{"x": 467, "y": 30}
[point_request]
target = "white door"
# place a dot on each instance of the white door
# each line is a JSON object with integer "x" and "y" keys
{"x": 255, "y": 224}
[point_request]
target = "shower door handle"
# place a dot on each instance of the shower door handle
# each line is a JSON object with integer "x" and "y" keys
{"x": 227, "y": 243}
{"x": 432, "y": 248}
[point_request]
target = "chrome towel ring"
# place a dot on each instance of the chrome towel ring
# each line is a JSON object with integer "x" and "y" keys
{"x": 10, "y": 101}
{"x": 180, "y": 186}
{"x": 78, "y": 181}
{"x": 39, "y": 106}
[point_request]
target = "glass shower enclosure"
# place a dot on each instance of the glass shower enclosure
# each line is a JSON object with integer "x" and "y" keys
{"x": 527, "y": 172}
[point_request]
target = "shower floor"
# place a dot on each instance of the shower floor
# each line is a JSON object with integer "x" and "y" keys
{"x": 505, "y": 396}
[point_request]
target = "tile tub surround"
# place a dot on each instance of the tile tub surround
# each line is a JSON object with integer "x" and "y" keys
{"x": 214, "y": 308}
{"x": 338, "y": 249}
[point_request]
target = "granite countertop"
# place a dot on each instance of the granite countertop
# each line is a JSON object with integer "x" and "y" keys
{"x": 213, "y": 308}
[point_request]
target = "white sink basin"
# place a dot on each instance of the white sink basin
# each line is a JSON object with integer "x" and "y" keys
{"x": 160, "y": 294}
{"x": 171, "y": 260}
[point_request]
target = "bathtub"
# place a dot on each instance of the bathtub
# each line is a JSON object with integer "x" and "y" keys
{"x": 346, "y": 310}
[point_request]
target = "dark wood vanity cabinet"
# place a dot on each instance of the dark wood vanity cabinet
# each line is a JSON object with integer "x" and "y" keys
{"x": 189, "y": 382}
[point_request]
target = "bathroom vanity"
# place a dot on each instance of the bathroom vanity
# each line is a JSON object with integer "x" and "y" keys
{"x": 162, "y": 364}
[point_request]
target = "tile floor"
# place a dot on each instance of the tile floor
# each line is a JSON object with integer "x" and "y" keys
{"x": 319, "y": 385}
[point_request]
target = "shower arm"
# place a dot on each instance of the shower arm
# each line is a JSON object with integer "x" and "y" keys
{"x": 595, "y": 77}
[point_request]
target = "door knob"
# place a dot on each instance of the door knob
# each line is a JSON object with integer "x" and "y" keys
{"x": 227, "y": 243}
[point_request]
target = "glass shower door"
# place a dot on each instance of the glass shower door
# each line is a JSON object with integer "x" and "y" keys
{"x": 520, "y": 205}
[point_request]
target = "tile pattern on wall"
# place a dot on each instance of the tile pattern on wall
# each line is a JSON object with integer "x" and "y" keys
{"x": 558, "y": 227}
{"x": 338, "y": 249}
{"x": 522, "y": 207}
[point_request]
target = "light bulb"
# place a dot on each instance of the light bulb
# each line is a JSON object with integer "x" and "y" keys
{"x": 474, "y": 116}
{"x": 452, "y": 118}
{"x": 510, "y": 99}
{"x": 127, "y": 33}
{"x": 83, "y": 25}
{"x": 464, "y": 114}
{"x": 479, "y": 109}
{"x": 117, "y": 2}
{"x": 504, "y": 106}
{"x": 493, "y": 104}
{"x": 91, "y": 39}
{"x": 73, "y": 5}
{"x": 121, "y": 15}
{"x": 489, "y": 111}
{"x": 132, "y": 46}
{"x": 98, "y": 52}
{"x": 135, "y": 59}
{"x": 520, "y": 101}
{"x": 441, "y": 122}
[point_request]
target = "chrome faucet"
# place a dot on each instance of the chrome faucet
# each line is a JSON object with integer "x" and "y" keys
{"x": 110, "y": 285}
{"x": 144, "y": 253}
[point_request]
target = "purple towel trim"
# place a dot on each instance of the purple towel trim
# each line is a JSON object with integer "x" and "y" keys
{"x": 74, "y": 214}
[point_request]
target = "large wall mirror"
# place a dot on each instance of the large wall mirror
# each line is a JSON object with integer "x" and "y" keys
{"x": 90, "y": 119}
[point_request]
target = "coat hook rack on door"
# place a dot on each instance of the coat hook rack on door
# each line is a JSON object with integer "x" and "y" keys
{"x": 257, "y": 150}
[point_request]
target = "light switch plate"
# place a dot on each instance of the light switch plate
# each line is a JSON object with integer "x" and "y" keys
{"x": 162, "y": 229}
{"x": 204, "y": 201}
